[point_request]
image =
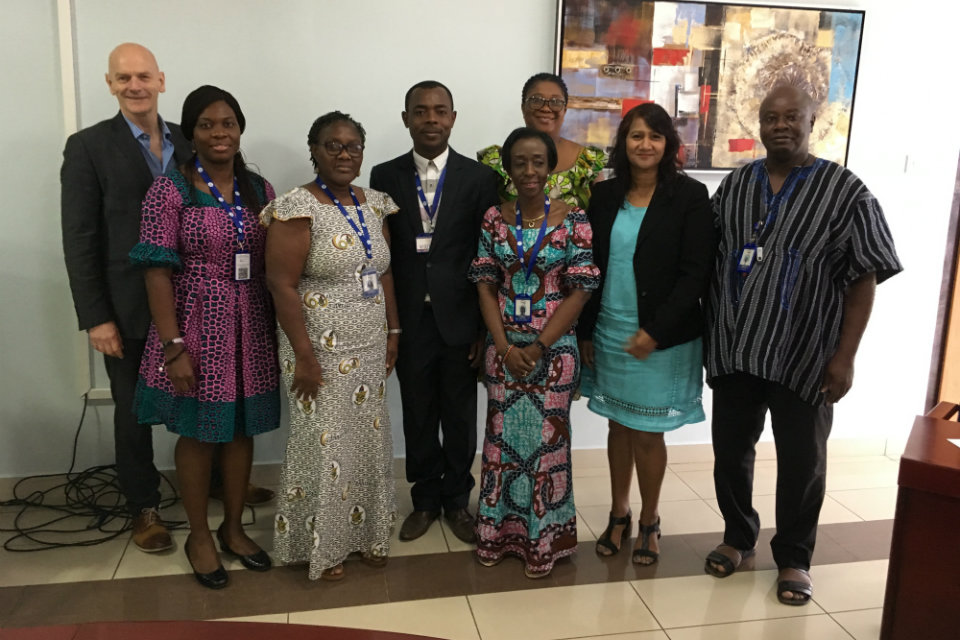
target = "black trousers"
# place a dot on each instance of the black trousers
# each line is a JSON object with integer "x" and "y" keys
{"x": 800, "y": 431}
{"x": 133, "y": 442}
{"x": 438, "y": 388}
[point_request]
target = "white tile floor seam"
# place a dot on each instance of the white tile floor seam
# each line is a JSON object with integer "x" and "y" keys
{"x": 603, "y": 609}
{"x": 818, "y": 627}
{"x": 123, "y": 555}
{"x": 473, "y": 616}
{"x": 633, "y": 586}
{"x": 861, "y": 624}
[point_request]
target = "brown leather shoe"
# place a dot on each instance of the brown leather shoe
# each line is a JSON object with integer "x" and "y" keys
{"x": 416, "y": 524}
{"x": 461, "y": 523}
{"x": 149, "y": 533}
{"x": 255, "y": 497}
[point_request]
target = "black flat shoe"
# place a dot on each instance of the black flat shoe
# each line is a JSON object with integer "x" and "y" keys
{"x": 216, "y": 579}
{"x": 606, "y": 538}
{"x": 258, "y": 561}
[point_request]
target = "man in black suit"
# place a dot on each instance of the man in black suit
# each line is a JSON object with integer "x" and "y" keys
{"x": 107, "y": 169}
{"x": 442, "y": 197}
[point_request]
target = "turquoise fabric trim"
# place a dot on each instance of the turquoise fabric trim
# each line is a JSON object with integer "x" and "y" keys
{"x": 151, "y": 255}
{"x": 207, "y": 421}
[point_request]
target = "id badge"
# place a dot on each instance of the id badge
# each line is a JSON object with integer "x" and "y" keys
{"x": 423, "y": 242}
{"x": 748, "y": 256}
{"x": 370, "y": 282}
{"x": 241, "y": 265}
{"x": 522, "y": 305}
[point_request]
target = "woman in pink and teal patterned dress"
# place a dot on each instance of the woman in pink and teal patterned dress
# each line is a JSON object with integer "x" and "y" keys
{"x": 209, "y": 371}
{"x": 531, "y": 293}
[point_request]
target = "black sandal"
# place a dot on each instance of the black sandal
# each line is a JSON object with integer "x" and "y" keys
{"x": 644, "y": 551}
{"x": 728, "y": 564}
{"x": 802, "y": 591}
{"x": 605, "y": 540}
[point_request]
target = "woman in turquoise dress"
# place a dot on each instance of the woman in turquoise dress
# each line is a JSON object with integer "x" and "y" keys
{"x": 544, "y": 105}
{"x": 640, "y": 339}
{"x": 530, "y": 297}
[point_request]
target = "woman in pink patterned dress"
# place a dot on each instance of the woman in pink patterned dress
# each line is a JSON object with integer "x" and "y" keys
{"x": 530, "y": 297}
{"x": 209, "y": 371}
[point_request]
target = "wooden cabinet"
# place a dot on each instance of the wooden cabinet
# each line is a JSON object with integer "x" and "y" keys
{"x": 923, "y": 581}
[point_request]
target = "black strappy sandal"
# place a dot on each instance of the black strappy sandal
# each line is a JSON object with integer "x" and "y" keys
{"x": 644, "y": 551}
{"x": 605, "y": 541}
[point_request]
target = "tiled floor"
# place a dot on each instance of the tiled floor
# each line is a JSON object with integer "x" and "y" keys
{"x": 433, "y": 587}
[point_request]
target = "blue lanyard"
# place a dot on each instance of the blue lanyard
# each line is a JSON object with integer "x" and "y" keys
{"x": 431, "y": 211}
{"x": 535, "y": 249}
{"x": 774, "y": 200}
{"x": 361, "y": 231}
{"x": 234, "y": 212}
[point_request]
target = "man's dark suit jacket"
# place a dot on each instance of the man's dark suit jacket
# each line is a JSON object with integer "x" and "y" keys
{"x": 102, "y": 183}
{"x": 469, "y": 190}
{"x": 672, "y": 263}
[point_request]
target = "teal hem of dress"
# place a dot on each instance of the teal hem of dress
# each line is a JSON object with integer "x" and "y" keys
{"x": 642, "y": 418}
{"x": 207, "y": 421}
{"x": 151, "y": 255}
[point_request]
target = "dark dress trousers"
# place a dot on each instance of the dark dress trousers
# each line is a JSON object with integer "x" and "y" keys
{"x": 672, "y": 263}
{"x": 437, "y": 385}
{"x": 102, "y": 183}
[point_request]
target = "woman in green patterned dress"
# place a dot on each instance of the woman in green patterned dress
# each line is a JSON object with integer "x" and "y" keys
{"x": 544, "y": 105}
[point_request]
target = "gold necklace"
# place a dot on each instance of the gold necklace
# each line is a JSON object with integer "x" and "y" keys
{"x": 532, "y": 222}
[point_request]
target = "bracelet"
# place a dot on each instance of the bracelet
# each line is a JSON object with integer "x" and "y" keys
{"x": 167, "y": 363}
{"x": 395, "y": 331}
{"x": 171, "y": 342}
{"x": 540, "y": 345}
{"x": 507, "y": 352}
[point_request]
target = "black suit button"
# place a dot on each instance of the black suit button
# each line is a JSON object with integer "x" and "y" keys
{"x": 429, "y": 265}
{"x": 643, "y": 294}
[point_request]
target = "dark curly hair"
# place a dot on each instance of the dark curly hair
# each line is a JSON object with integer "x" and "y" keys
{"x": 544, "y": 77}
{"x": 524, "y": 133}
{"x": 327, "y": 119}
{"x": 193, "y": 105}
{"x": 425, "y": 84}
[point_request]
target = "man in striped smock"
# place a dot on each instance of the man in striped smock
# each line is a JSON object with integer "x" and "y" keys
{"x": 803, "y": 246}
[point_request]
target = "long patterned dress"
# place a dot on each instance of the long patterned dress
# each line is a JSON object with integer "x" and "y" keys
{"x": 337, "y": 493}
{"x": 526, "y": 484}
{"x": 227, "y": 325}
{"x": 572, "y": 186}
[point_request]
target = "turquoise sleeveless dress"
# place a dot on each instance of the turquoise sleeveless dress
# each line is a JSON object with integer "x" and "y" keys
{"x": 658, "y": 394}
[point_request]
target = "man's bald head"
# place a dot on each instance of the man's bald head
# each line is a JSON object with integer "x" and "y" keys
{"x": 136, "y": 80}
{"x": 792, "y": 93}
{"x": 786, "y": 120}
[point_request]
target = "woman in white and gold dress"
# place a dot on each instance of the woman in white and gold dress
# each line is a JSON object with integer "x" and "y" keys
{"x": 328, "y": 269}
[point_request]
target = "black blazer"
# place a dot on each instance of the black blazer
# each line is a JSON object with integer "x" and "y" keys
{"x": 672, "y": 263}
{"x": 469, "y": 190}
{"x": 102, "y": 183}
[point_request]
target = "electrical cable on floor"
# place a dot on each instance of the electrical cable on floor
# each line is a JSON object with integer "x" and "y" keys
{"x": 93, "y": 495}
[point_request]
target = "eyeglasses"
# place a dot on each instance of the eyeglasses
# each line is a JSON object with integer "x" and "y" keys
{"x": 536, "y": 102}
{"x": 334, "y": 148}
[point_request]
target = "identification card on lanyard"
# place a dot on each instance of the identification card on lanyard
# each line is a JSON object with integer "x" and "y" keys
{"x": 522, "y": 308}
{"x": 241, "y": 257}
{"x": 369, "y": 282}
{"x": 523, "y": 302}
{"x": 423, "y": 242}
{"x": 428, "y": 212}
{"x": 748, "y": 256}
{"x": 369, "y": 278}
{"x": 241, "y": 265}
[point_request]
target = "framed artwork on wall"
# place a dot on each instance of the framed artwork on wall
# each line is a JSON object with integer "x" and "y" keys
{"x": 709, "y": 65}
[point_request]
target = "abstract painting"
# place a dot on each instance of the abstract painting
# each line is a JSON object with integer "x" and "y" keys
{"x": 709, "y": 65}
